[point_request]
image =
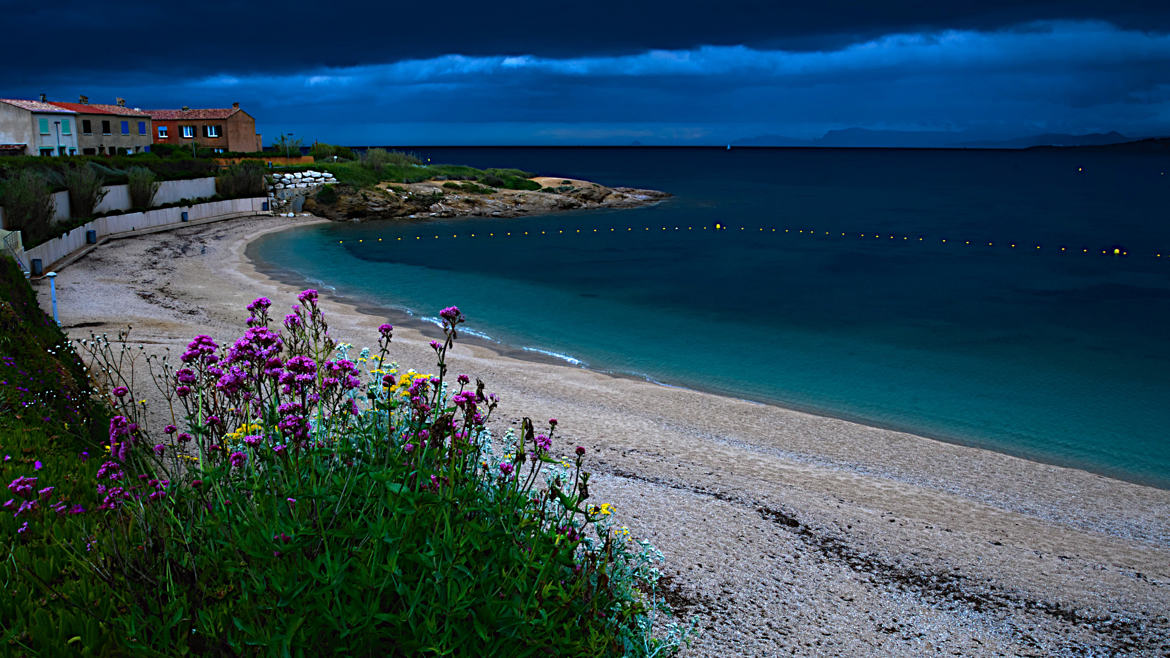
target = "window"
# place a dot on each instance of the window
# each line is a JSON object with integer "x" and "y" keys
{"x": 105, "y": 127}
{"x": 65, "y": 129}
{"x": 162, "y": 132}
{"x": 86, "y": 126}
{"x": 141, "y": 127}
{"x": 44, "y": 124}
{"x": 217, "y": 150}
{"x": 211, "y": 131}
{"x": 45, "y": 151}
{"x": 188, "y": 132}
{"x": 125, "y": 127}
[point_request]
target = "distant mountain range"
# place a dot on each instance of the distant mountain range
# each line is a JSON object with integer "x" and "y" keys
{"x": 866, "y": 138}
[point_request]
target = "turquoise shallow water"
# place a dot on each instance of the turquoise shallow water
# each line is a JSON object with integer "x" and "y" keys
{"x": 1056, "y": 356}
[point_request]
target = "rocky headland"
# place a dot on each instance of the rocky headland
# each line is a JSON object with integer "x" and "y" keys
{"x": 439, "y": 198}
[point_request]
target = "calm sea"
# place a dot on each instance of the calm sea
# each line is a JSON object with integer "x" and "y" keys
{"x": 1050, "y": 353}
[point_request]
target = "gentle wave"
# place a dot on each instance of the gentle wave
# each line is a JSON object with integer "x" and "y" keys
{"x": 463, "y": 330}
{"x": 556, "y": 355}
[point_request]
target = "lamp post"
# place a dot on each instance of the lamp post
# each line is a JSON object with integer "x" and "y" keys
{"x": 53, "y": 293}
{"x": 287, "y": 145}
{"x": 57, "y": 124}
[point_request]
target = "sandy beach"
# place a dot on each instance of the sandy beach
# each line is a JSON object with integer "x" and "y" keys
{"x": 786, "y": 533}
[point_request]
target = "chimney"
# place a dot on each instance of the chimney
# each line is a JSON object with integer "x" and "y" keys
{"x": 235, "y": 106}
{"x": 186, "y": 109}
{"x": 84, "y": 100}
{"x": 44, "y": 99}
{"x": 121, "y": 102}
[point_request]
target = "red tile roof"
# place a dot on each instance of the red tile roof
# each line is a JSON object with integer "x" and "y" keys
{"x": 100, "y": 108}
{"x": 178, "y": 115}
{"x": 35, "y": 106}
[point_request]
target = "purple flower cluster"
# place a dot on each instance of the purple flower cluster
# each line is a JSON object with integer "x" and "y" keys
{"x": 465, "y": 400}
{"x": 293, "y": 422}
{"x": 201, "y": 350}
{"x": 255, "y": 347}
{"x": 122, "y": 434}
{"x": 300, "y": 373}
{"x": 258, "y": 312}
{"x": 308, "y": 297}
{"x": 342, "y": 373}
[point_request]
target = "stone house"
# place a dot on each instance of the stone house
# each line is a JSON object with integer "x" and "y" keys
{"x": 226, "y": 129}
{"x": 110, "y": 129}
{"x": 36, "y": 128}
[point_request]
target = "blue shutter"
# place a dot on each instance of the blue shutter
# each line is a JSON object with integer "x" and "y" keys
{"x": 141, "y": 127}
{"x": 44, "y": 126}
{"x": 65, "y": 130}
{"x": 125, "y": 127}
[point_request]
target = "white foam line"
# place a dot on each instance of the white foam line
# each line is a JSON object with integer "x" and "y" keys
{"x": 555, "y": 355}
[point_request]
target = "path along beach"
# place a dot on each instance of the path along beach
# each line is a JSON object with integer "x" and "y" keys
{"x": 785, "y": 533}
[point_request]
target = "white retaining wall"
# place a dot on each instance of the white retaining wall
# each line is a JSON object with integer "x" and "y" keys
{"x": 171, "y": 191}
{"x": 60, "y": 206}
{"x": 118, "y": 196}
{"x": 54, "y": 250}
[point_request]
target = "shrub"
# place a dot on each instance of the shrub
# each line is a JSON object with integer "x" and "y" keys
{"x": 400, "y": 159}
{"x": 492, "y": 179}
{"x": 468, "y": 187}
{"x": 171, "y": 151}
{"x": 369, "y": 510}
{"x": 376, "y": 159}
{"x": 327, "y": 195}
{"x": 512, "y": 179}
{"x": 142, "y": 187}
{"x": 41, "y": 379}
{"x": 85, "y": 190}
{"x": 327, "y": 152}
{"x": 28, "y": 206}
{"x": 242, "y": 179}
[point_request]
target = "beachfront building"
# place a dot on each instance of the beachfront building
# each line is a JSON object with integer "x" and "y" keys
{"x": 110, "y": 129}
{"x": 36, "y": 128}
{"x": 226, "y": 129}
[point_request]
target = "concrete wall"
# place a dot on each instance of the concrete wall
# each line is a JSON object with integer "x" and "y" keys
{"x": 117, "y": 198}
{"x": 174, "y": 190}
{"x": 54, "y": 250}
{"x": 61, "y": 206}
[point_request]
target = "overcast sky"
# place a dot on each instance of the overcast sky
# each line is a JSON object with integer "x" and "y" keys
{"x": 608, "y": 72}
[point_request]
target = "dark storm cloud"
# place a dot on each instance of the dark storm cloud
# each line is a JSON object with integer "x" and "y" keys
{"x": 65, "y": 37}
{"x": 568, "y": 73}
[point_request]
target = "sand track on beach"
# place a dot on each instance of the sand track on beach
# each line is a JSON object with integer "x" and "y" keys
{"x": 787, "y": 533}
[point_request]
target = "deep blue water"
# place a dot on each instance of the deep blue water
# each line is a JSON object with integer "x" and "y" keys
{"x": 1060, "y": 356}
